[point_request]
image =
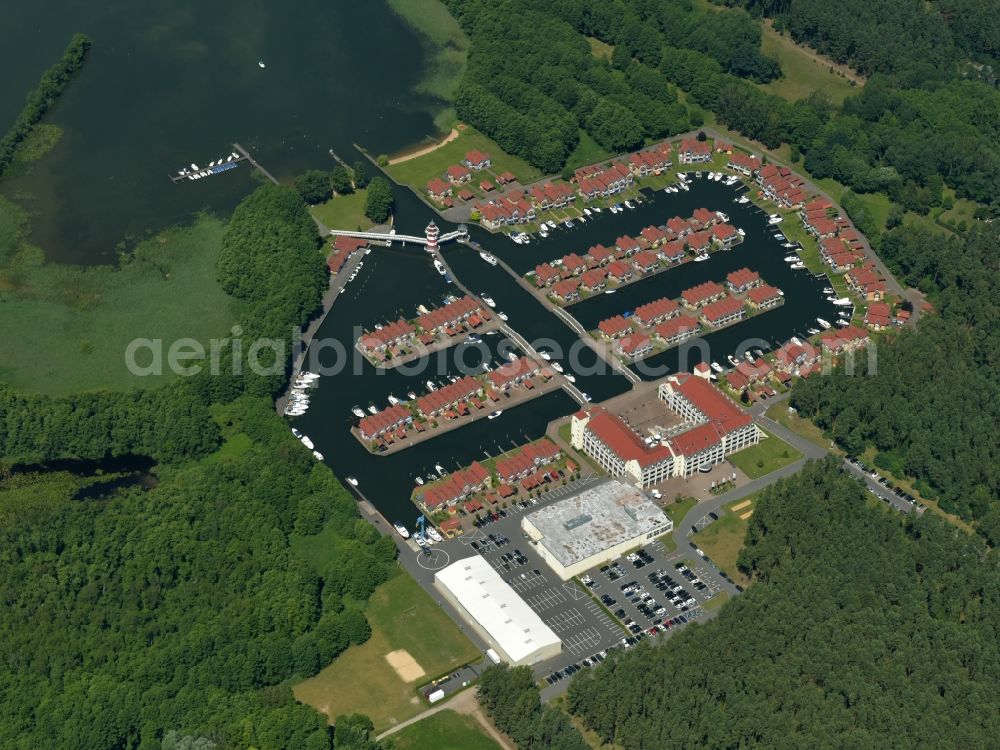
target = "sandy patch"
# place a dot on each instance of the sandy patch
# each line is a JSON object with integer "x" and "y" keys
{"x": 740, "y": 506}
{"x": 405, "y": 665}
{"x": 426, "y": 149}
{"x": 747, "y": 515}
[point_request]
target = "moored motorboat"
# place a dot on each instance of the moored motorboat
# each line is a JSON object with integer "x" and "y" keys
{"x": 307, "y": 442}
{"x": 823, "y": 323}
{"x": 356, "y": 410}
{"x": 717, "y": 367}
{"x": 352, "y": 481}
{"x": 401, "y": 530}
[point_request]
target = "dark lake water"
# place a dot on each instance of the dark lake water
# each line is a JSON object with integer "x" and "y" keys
{"x": 395, "y": 280}
{"x": 167, "y": 84}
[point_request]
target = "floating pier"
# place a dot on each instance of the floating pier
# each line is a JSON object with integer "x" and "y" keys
{"x": 193, "y": 172}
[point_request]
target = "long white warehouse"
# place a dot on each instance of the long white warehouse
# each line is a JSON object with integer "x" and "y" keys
{"x": 496, "y": 612}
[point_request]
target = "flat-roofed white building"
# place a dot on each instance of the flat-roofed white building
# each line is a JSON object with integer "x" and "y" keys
{"x": 594, "y": 526}
{"x": 496, "y": 612}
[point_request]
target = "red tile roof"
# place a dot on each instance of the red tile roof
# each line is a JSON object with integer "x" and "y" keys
{"x": 623, "y": 442}
{"x": 614, "y": 327}
{"x": 656, "y": 310}
{"x": 699, "y": 295}
{"x": 448, "y": 395}
{"x": 520, "y": 368}
{"x": 743, "y": 278}
{"x": 761, "y": 294}
{"x": 716, "y": 311}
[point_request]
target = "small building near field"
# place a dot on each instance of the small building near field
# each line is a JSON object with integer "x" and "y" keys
{"x": 593, "y": 526}
{"x": 496, "y": 612}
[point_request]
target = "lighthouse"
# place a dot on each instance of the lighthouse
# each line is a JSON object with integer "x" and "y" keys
{"x": 431, "y": 234}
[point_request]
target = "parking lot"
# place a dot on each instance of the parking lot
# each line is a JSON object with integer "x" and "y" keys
{"x": 584, "y": 628}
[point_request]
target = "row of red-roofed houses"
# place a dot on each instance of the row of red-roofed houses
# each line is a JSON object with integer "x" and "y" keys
{"x": 653, "y": 161}
{"x": 866, "y": 282}
{"x": 387, "y": 341}
{"x": 782, "y": 186}
{"x": 507, "y": 209}
{"x": 602, "y": 182}
{"x": 453, "y": 314}
{"x": 511, "y": 374}
{"x": 448, "y": 397}
{"x": 743, "y": 163}
{"x": 454, "y": 488}
{"x": 521, "y": 463}
{"x": 389, "y": 419}
{"x": 693, "y": 151}
{"x": 549, "y": 195}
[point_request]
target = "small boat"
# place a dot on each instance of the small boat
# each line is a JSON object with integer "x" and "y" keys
{"x": 495, "y": 414}
{"x": 614, "y": 209}
{"x": 352, "y": 481}
{"x": 419, "y": 480}
{"x": 597, "y": 209}
{"x": 570, "y": 378}
{"x": 843, "y": 322}
{"x": 440, "y": 267}
{"x": 828, "y": 290}
{"x": 684, "y": 186}
{"x": 488, "y": 257}
{"x": 775, "y": 219}
{"x": 401, "y": 530}
{"x": 557, "y": 367}
{"x": 610, "y": 291}
{"x": 430, "y": 385}
{"x": 823, "y": 323}
{"x": 440, "y": 470}
{"x": 511, "y": 356}
{"x": 717, "y": 367}
{"x": 317, "y": 455}
{"x": 260, "y": 64}
{"x": 356, "y": 411}
{"x": 629, "y": 204}
{"x": 568, "y": 224}
{"x": 732, "y": 360}
{"x": 550, "y": 224}
{"x": 421, "y": 542}
{"x": 502, "y": 316}
{"x": 434, "y": 535}
{"x": 453, "y": 378}
{"x": 743, "y": 199}
{"x": 724, "y": 217}
{"x": 842, "y": 301}
{"x": 700, "y": 258}
{"x": 812, "y": 331}
{"x": 372, "y": 409}
{"x": 581, "y": 219}
{"x": 296, "y": 433}
{"x": 307, "y": 442}
{"x": 789, "y": 244}
{"x": 488, "y": 300}
{"x": 781, "y": 293}
{"x": 545, "y": 355}
{"x": 474, "y": 338}
{"x": 798, "y": 266}
{"x": 748, "y": 356}
{"x": 393, "y": 400}
{"x": 792, "y": 259}
{"x": 411, "y": 395}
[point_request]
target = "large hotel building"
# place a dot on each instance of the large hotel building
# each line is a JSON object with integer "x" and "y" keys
{"x": 718, "y": 428}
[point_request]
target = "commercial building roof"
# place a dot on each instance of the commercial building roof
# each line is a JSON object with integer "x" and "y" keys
{"x": 496, "y": 607}
{"x": 596, "y": 519}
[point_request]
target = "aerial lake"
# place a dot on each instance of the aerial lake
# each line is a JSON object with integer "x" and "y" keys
{"x": 168, "y": 84}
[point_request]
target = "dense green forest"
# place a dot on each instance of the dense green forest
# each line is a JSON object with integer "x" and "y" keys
{"x": 52, "y": 82}
{"x": 179, "y": 615}
{"x": 511, "y": 698}
{"x": 860, "y": 631}
{"x": 931, "y": 403}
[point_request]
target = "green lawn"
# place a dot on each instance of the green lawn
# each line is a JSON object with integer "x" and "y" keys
{"x": 402, "y": 616}
{"x": 676, "y": 511}
{"x": 717, "y": 601}
{"x": 344, "y": 212}
{"x": 445, "y": 730}
{"x": 722, "y": 541}
{"x": 599, "y": 48}
{"x": 770, "y": 454}
{"x": 66, "y": 329}
{"x": 802, "y": 427}
{"x": 877, "y": 204}
{"x": 417, "y": 172}
{"x": 587, "y": 151}
{"x": 565, "y": 432}
{"x": 802, "y": 74}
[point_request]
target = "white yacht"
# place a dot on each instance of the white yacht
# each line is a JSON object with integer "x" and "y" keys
{"x": 372, "y": 409}
{"x": 732, "y": 360}
{"x": 488, "y": 257}
{"x": 434, "y": 534}
{"x": 775, "y": 219}
{"x": 488, "y": 300}
{"x": 495, "y": 414}
{"x": 401, "y": 530}
{"x": 557, "y": 367}
{"x": 842, "y": 301}
{"x": 629, "y": 204}
{"x": 440, "y": 267}
{"x": 570, "y": 378}
{"x": 791, "y": 259}
{"x": 610, "y": 291}
{"x": 440, "y": 470}
{"x": 431, "y": 386}
{"x": 393, "y": 400}
{"x": 296, "y": 433}
{"x": 812, "y": 331}
{"x": 550, "y": 224}
{"x": 502, "y": 316}
{"x": 700, "y": 258}
{"x": 798, "y": 266}
{"x": 823, "y": 323}
{"x": 317, "y": 455}
{"x": 743, "y": 199}
{"x": 419, "y": 480}
{"x": 307, "y": 442}
{"x": 352, "y": 481}
{"x": 717, "y": 367}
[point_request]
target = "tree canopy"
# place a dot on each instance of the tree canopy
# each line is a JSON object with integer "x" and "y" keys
{"x": 379, "y": 200}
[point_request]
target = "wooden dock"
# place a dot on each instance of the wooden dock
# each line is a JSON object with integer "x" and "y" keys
{"x": 246, "y": 155}
{"x": 204, "y": 172}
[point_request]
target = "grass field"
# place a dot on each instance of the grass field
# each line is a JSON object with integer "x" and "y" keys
{"x": 676, "y": 511}
{"x": 878, "y": 205}
{"x": 718, "y": 600}
{"x": 802, "y": 73}
{"x": 445, "y": 730}
{"x": 722, "y": 541}
{"x": 587, "y": 151}
{"x": 447, "y": 45}
{"x": 599, "y": 48}
{"x": 770, "y": 454}
{"x": 417, "y": 172}
{"x": 402, "y": 616}
{"x": 66, "y": 329}
{"x": 344, "y": 211}
{"x": 802, "y": 427}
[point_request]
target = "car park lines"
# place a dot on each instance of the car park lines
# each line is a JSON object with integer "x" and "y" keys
{"x": 545, "y": 600}
{"x": 583, "y": 642}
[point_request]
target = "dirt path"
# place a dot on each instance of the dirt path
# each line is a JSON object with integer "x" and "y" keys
{"x": 463, "y": 703}
{"x": 426, "y": 149}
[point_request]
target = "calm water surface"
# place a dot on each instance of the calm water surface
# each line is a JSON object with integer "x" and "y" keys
{"x": 171, "y": 83}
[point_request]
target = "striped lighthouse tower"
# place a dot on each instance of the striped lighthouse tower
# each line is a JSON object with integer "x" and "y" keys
{"x": 431, "y": 233}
